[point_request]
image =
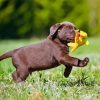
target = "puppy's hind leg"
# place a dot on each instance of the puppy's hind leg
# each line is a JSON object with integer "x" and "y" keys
{"x": 20, "y": 75}
{"x": 21, "y": 72}
{"x": 15, "y": 77}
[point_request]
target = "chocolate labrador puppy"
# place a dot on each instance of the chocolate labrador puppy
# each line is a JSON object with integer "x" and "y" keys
{"x": 52, "y": 52}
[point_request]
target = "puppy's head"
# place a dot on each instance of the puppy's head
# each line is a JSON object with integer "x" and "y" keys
{"x": 64, "y": 31}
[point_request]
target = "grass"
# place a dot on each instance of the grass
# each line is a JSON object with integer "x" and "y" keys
{"x": 82, "y": 84}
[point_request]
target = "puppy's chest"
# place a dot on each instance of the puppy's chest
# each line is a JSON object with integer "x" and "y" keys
{"x": 64, "y": 50}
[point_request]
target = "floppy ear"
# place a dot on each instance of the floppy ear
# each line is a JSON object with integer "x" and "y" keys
{"x": 53, "y": 30}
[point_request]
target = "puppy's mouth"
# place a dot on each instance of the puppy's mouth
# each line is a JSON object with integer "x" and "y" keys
{"x": 71, "y": 39}
{"x": 80, "y": 39}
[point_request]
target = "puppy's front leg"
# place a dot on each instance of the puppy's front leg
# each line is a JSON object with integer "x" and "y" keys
{"x": 68, "y": 69}
{"x": 74, "y": 61}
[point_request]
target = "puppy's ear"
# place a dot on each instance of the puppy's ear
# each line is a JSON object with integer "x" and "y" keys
{"x": 53, "y": 30}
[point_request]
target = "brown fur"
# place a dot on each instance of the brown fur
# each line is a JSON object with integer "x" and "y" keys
{"x": 52, "y": 52}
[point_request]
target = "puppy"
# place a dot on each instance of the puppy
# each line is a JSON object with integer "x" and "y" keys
{"x": 52, "y": 52}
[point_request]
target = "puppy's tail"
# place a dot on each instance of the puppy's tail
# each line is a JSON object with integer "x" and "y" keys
{"x": 7, "y": 54}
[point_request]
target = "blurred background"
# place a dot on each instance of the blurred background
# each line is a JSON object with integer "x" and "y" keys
{"x": 33, "y": 18}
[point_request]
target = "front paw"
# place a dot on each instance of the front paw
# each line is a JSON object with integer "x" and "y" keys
{"x": 84, "y": 62}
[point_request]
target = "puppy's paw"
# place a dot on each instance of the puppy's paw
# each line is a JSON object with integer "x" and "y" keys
{"x": 84, "y": 62}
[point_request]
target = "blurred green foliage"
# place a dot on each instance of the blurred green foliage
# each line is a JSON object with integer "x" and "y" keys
{"x": 26, "y": 18}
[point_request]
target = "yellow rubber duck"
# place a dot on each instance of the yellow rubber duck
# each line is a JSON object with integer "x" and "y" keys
{"x": 80, "y": 39}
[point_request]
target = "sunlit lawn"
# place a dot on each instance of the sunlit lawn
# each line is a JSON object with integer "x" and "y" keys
{"x": 82, "y": 84}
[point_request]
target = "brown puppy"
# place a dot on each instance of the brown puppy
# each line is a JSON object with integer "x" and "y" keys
{"x": 49, "y": 54}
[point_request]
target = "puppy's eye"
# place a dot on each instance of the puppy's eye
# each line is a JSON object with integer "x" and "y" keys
{"x": 59, "y": 30}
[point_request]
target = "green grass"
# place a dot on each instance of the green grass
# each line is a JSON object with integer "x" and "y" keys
{"x": 82, "y": 84}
